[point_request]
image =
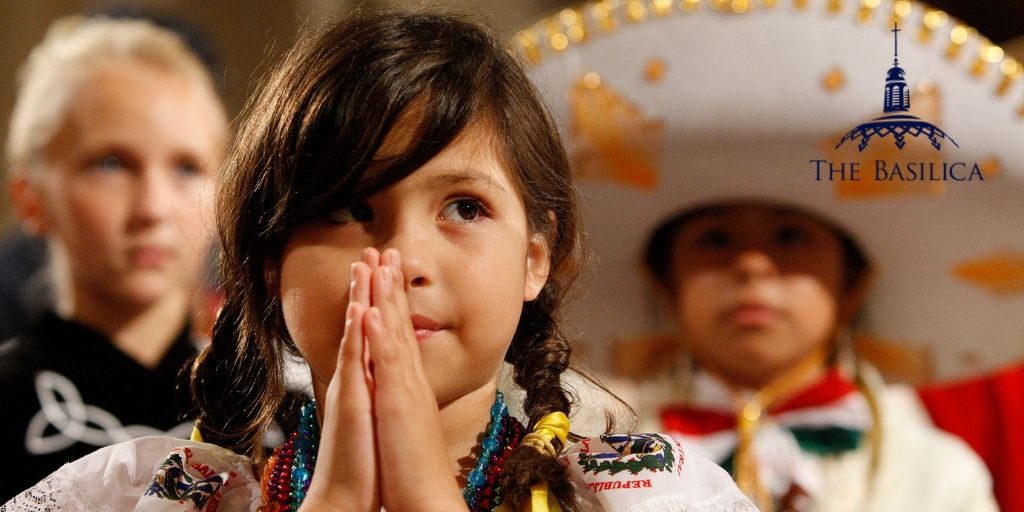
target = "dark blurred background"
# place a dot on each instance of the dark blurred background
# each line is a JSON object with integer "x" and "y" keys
{"x": 245, "y": 36}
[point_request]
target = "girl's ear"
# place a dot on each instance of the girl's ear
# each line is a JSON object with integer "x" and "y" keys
{"x": 27, "y": 199}
{"x": 538, "y": 266}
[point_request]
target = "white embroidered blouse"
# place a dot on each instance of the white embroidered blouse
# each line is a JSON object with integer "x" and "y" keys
{"x": 650, "y": 472}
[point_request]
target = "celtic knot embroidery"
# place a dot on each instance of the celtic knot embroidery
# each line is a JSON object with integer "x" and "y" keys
{"x": 76, "y": 422}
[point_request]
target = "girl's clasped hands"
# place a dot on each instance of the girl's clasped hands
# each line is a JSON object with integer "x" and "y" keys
{"x": 381, "y": 426}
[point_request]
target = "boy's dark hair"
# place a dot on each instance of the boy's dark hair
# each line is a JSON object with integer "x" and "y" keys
{"x": 304, "y": 149}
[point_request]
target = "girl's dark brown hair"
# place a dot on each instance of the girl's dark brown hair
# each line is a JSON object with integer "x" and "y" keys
{"x": 305, "y": 149}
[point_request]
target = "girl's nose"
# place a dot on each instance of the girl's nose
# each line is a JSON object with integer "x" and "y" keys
{"x": 413, "y": 243}
{"x": 754, "y": 263}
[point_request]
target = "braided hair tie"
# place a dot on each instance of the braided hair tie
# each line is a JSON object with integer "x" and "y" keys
{"x": 550, "y": 427}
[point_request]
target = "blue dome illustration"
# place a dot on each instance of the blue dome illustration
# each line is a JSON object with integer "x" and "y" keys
{"x": 896, "y": 73}
{"x": 897, "y": 120}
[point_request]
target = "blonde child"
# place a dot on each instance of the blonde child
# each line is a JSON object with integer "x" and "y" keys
{"x": 116, "y": 134}
{"x": 398, "y": 211}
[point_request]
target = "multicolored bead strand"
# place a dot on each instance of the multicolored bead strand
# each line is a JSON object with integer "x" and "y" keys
{"x": 306, "y": 440}
{"x": 289, "y": 470}
{"x": 482, "y": 492}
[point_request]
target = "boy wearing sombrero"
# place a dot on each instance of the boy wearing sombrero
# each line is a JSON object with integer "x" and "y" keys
{"x": 785, "y": 170}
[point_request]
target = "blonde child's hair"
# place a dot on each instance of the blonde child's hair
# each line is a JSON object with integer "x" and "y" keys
{"x": 72, "y": 48}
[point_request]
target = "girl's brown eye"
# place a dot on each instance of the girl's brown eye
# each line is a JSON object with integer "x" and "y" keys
{"x": 463, "y": 210}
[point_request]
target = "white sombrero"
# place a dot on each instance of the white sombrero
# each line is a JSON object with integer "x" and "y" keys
{"x": 667, "y": 105}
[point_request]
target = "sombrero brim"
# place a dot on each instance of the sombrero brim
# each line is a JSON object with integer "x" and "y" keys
{"x": 667, "y": 109}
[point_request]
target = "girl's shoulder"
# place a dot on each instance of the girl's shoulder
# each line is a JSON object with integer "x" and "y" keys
{"x": 620, "y": 472}
{"x": 149, "y": 473}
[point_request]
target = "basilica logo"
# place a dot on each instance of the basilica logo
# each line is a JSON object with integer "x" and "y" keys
{"x": 898, "y": 124}
{"x": 897, "y": 120}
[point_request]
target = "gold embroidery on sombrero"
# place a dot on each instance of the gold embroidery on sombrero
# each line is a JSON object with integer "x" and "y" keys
{"x": 1012, "y": 71}
{"x": 572, "y": 26}
{"x": 1001, "y": 273}
{"x": 654, "y": 70}
{"x": 610, "y": 138}
{"x": 833, "y": 80}
{"x": 990, "y": 167}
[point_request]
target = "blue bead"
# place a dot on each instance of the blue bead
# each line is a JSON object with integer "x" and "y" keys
{"x": 301, "y": 475}
{"x": 498, "y": 409}
{"x": 476, "y": 478}
{"x": 490, "y": 444}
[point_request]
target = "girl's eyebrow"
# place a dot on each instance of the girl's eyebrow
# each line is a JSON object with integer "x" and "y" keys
{"x": 465, "y": 177}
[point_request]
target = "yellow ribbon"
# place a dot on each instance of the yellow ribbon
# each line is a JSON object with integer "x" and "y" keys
{"x": 552, "y": 426}
{"x": 196, "y": 435}
{"x": 541, "y": 500}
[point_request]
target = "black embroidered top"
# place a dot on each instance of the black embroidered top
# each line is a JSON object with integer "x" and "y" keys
{"x": 66, "y": 390}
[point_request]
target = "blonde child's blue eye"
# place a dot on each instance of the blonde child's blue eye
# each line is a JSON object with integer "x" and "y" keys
{"x": 109, "y": 163}
{"x": 188, "y": 168}
{"x": 463, "y": 210}
{"x": 355, "y": 213}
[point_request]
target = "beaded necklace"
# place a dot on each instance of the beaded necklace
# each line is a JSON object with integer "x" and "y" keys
{"x": 289, "y": 470}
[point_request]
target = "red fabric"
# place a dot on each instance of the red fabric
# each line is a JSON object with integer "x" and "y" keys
{"x": 987, "y": 413}
{"x": 694, "y": 421}
{"x": 832, "y": 387}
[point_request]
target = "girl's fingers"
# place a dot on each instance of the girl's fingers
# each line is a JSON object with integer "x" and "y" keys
{"x": 351, "y": 352}
{"x": 359, "y": 291}
{"x": 384, "y": 353}
{"x": 371, "y": 384}
{"x": 383, "y": 297}
{"x": 403, "y": 312}
{"x": 401, "y": 301}
{"x": 371, "y": 257}
{"x": 346, "y": 466}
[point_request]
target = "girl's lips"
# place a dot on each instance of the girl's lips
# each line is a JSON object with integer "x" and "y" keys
{"x": 424, "y": 334}
{"x": 752, "y": 315}
{"x": 425, "y": 327}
